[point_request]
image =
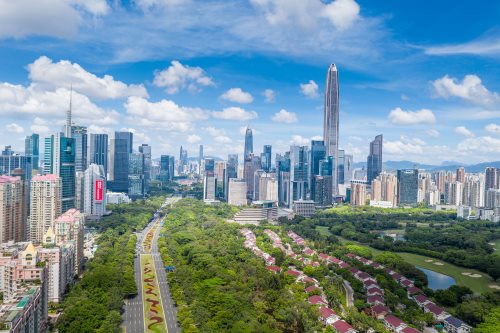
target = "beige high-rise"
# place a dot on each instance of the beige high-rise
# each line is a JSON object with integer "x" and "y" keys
{"x": 45, "y": 205}
{"x": 12, "y": 201}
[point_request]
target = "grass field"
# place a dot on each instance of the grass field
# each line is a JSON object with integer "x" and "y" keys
{"x": 497, "y": 245}
{"x": 478, "y": 285}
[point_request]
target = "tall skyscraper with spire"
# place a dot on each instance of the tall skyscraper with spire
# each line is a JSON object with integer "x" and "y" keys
{"x": 248, "y": 143}
{"x": 67, "y": 127}
{"x": 374, "y": 161}
{"x": 331, "y": 121}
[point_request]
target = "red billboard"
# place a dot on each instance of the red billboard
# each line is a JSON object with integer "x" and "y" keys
{"x": 98, "y": 190}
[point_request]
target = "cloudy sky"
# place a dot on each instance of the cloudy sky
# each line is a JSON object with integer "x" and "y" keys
{"x": 425, "y": 74}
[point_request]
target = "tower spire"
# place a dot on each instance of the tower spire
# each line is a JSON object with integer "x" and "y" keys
{"x": 67, "y": 129}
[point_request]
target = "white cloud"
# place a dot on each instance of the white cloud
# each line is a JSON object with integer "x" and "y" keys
{"x": 404, "y": 97}
{"x": 14, "y": 128}
{"x": 433, "y": 133}
{"x": 283, "y": 116}
{"x": 483, "y": 144}
{"x": 29, "y": 101}
{"x": 401, "y": 147}
{"x": 309, "y": 89}
{"x": 149, "y": 4}
{"x": 299, "y": 140}
{"x": 222, "y": 139}
{"x": 139, "y": 137}
{"x": 307, "y": 13}
{"x": 48, "y": 75}
{"x": 40, "y": 126}
{"x": 485, "y": 46}
{"x": 193, "y": 138}
{"x": 269, "y": 95}
{"x": 19, "y": 19}
{"x": 470, "y": 89}
{"x": 237, "y": 95}
{"x": 218, "y": 134}
{"x": 178, "y": 76}
{"x": 95, "y": 129}
{"x": 399, "y": 116}
{"x": 235, "y": 113}
{"x": 164, "y": 113}
{"x": 462, "y": 130}
{"x": 317, "y": 138}
{"x": 493, "y": 128}
{"x": 342, "y": 13}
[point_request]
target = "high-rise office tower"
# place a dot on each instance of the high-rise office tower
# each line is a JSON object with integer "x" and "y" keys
{"x": 136, "y": 175}
{"x": 331, "y": 121}
{"x": 209, "y": 165}
{"x": 283, "y": 174}
{"x": 122, "y": 149}
{"x": 98, "y": 151}
{"x": 407, "y": 187}
{"x": 220, "y": 169}
{"x": 348, "y": 168}
{"x": 183, "y": 159}
{"x": 59, "y": 159}
{"x": 32, "y": 149}
{"x": 45, "y": 204}
{"x": 374, "y": 161}
{"x": 145, "y": 149}
{"x": 248, "y": 144}
{"x": 252, "y": 164}
{"x": 321, "y": 190}
{"x": 166, "y": 174}
{"x": 231, "y": 172}
{"x": 256, "y": 184}
{"x": 491, "y": 179}
{"x": 266, "y": 158}
{"x": 209, "y": 186}
{"x": 318, "y": 153}
{"x": 460, "y": 177}
{"x": 79, "y": 134}
{"x": 12, "y": 209}
{"x": 268, "y": 187}
{"x": 341, "y": 167}
{"x": 79, "y": 190}
{"x": 200, "y": 158}
{"x": 298, "y": 173}
{"x": 94, "y": 198}
{"x": 10, "y": 162}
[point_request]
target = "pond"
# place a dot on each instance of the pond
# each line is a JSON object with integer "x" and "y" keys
{"x": 438, "y": 280}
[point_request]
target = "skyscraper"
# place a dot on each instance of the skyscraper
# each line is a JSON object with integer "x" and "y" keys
{"x": 407, "y": 187}
{"x": 79, "y": 134}
{"x": 248, "y": 143}
{"x": 45, "y": 204}
{"x": 460, "y": 177}
{"x": 231, "y": 172}
{"x": 12, "y": 206}
{"x": 252, "y": 164}
{"x": 136, "y": 175}
{"x": 331, "y": 121}
{"x": 374, "y": 161}
{"x": 491, "y": 178}
{"x": 200, "y": 158}
{"x": 122, "y": 149}
{"x": 266, "y": 158}
{"x": 145, "y": 149}
{"x": 165, "y": 173}
{"x": 298, "y": 173}
{"x": 32, "y": 149}
{"x": 98, "y": 152}
{"x": 318, "y": 153}
{"x": 94, "y": 199}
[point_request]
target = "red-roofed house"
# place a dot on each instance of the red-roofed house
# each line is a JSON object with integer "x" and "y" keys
{"x": 306, "y": 279}
{"x": 354, "y": 270}
{"x": 375, "y": 300}
{"x": 362, "y": 276}
{"x": 368, "y": 283}
{"x": 317, "y": 300}
{"x": 438, "y": 313}
{"x": 421, "y": 300}
{"x": 374, "y": 291}
{"x": 293, "y": 273}
{"x": 406, "y": 283}
{"x": 409, "y": 329}
{"x": 379, "y": 311}
{"x": 341, "y": 326}
{"x": 274, "y": 269}
{"x": 328, "y": 317}
{"x": 393, "y": 323}
{"x": 311, "y": 289}
{"x": 376, "y": 265}
{"x": 397, "y": 276}
{"x": 323, "y": 256}
{"x": 351, "y": 255}
{"x": 414, "y": 291}
{"x": 344, "y": 265}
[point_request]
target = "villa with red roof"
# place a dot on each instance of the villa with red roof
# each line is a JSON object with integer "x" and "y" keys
{"x": 379, "y": 311}
{"x": 274, "y": 269}
{"x": 317, "y": 300}
{"x": 393, "y": 323}
{"x": 374, "y": 291}
{"x": 343, "y": 327}
{"x": 328, "y": 316}
{"x": 375, "y": 300}
{"x": 311, "y": 289}
{"x": 409, "y": 329}
{"x": 438, "y": 313}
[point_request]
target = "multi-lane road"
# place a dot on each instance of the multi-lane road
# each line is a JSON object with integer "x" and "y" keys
{"x": 133, "y": 320}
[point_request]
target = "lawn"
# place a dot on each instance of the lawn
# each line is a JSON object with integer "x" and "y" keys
{"x": 478, "y": 285}
{"x": 323, "y": 230}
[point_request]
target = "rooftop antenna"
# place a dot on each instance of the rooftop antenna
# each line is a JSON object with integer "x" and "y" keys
{"x": 67, "y": 128}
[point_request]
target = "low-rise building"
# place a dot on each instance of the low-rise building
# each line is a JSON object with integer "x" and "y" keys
{"x": 455, "y": 325}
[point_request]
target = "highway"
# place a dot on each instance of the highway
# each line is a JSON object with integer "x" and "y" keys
{"x": 133, "y": 317}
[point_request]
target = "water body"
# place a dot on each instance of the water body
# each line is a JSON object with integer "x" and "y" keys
{"x": 438, "y": 280}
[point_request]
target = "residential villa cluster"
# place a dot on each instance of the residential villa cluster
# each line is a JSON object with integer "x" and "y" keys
{"x": 374, "y": 293}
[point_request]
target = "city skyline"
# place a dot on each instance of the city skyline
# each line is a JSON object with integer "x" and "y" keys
{"x": 433, "y": 95}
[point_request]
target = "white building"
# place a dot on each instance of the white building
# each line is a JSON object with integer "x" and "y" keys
{"x": 94, "y": 202}
{"x": 237, "y": 194}
{"x": 116, "y": 197}
{"x": 304, "y": 207}
{"x": 209, "y": 187}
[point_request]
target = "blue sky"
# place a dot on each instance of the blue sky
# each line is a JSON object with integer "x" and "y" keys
{"x": 424, "y": 74}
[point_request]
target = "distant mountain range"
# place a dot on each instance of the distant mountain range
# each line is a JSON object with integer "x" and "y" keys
{"x": 447, "y": 165}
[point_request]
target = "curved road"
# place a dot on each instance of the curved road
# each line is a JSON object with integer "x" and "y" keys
{"x": 133, "y": 317}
